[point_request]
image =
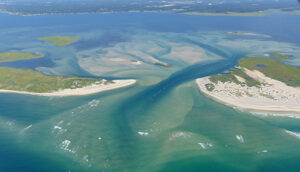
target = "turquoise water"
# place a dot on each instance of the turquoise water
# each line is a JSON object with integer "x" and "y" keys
{"x": 163, "y": 123}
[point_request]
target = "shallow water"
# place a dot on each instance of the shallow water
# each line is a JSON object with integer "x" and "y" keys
{"x": 163, "y": 123}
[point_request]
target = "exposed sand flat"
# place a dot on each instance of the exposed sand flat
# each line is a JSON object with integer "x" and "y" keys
{"x": 275, "y": 96}
{"x": 92, "y": 89}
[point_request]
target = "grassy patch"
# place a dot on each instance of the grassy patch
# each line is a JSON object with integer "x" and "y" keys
{"x": 279, "y": 56}
{"x": 223, "y": 78}
{"x": 33, "y": 81}
{"x": 274, "y": 69}
{"x": 250, "y": 82}
{"x": 267, "y": 96}
{"x": 231, "y": 78}
{"x": 238, "y": 94}
{"x": 248, "y": 94}
{"x": 59, "y": 41}
{"x": 15, "y": 56}
{"x": 210, "y": 87}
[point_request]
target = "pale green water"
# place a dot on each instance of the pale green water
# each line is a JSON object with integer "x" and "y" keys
{"x": 153, "y": 125}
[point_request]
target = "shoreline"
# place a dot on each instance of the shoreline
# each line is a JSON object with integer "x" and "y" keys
{"x": 92, "y": 89}
{"x": 248, "y": 107}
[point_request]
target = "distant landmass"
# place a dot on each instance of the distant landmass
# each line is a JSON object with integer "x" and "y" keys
{"x": 15, "y": 56}
{"x": 204, "y": 7}
{"x": 59, "y": 41}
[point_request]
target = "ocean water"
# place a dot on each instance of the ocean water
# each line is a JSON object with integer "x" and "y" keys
{"x": 163, "y": 123}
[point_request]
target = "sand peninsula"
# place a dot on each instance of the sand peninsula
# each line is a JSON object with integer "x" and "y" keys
{"x": 257, "y": 84}
{"x": 25, "y": 81}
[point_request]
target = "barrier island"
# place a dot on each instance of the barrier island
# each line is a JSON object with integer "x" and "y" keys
{"x": 27, "y": 81}
{"x": 259, "y": 84}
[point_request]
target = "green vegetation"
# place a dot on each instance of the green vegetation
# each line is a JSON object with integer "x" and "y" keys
{"x": 250, "y": 82}
{"x": 248, "y": 94}
{"x": 279, "y": 56}
{"x": 33, "y": 81}
{"x": 230, "y": 77}
{"x": 59, "y": 41}
{"x": 210, "y": 87}
{"x": 223, "y": 78}
{"x": 274, "y": 69}
{"x": 267, "y": 96}
{"x": 238, "y": 94}
{"x": 15, "y": 56}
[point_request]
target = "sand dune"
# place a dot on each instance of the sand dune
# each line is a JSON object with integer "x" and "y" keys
{"x": 275, "y": 96}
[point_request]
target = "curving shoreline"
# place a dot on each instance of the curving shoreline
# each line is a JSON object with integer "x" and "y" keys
{"x": 92, "y": 89}
{"x": 225, "y": 93}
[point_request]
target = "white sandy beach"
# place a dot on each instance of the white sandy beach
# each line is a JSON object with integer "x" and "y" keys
{"x": 92, "y": 89}
{"x": 275, "y": 96}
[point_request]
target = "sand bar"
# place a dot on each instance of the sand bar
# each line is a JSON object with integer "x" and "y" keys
{"x": 92, "y": 89}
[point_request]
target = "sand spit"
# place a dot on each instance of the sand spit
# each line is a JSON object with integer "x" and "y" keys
{"x": 274, "y": 96}
{"x": 92, "y": 89}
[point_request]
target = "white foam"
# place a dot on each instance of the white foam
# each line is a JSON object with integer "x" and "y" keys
{"x": 99, "y": 138}
{"x": 29, "y": 126}
{"x": 57, "y": 127}
{"x": 60, "y": 122}
{"x": 202, "y": 145}
{"x": 180, "y": 134}
{"x": 205, "y": 145}
{"x": 25, "y": 129}
{"x": 59, "y": 130}
{"x": 85, "y": 158}
{"x": 263, "y": 151}
{"x": 143, "y": 133}
{"x": 293, "y": 133}
{"x": 277, "y": 115}
{"x": 65, "y": 146}
{"x": 94, "y": 103}
{"x": 240, "y": 138}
